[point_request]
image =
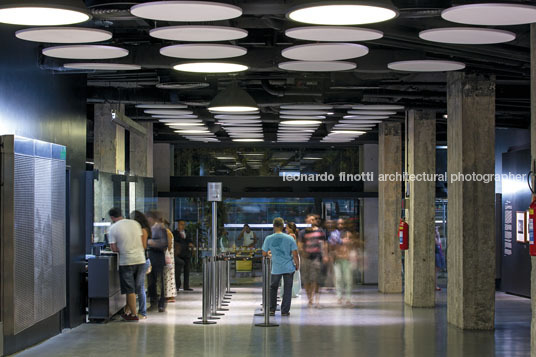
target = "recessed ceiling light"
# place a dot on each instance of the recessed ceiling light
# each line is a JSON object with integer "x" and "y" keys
{"x": 306, "y": 107}
{"x": 102, "y": 66}
{"x": 85, "y": 52}
{"x": 333, "y": 34}
{"x": 198, "y": 33}
{"x": 35, "y": 14}
{"x": 248, "y": 140}
{"x": 303, "y": 117}
{"x": 303, "y": 112}
{"x": 491, "y": 14}
{"x": 186, "y": 11}
{"x": 467, "y": 35}
{"x": 203, "y": 51}
{"x": 180, "y": 112}
{"x": 161, "y": 106}
{"x": 312, "y": 158}
{"x": 378, "y": 107}
{"x": 342, "y": 14}
{"x": 301, "y": 122}
{"x": 370, "y": 112}
{"x": 325, "y": 51}
{"x": 63, "y": 35}
{"x": 426, "y": 66}
{"x": 210, "y": 67}
{"x": 365, "y": 117}
{"x": 317, "y": 66}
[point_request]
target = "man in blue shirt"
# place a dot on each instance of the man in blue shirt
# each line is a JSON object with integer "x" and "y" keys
{"x": 285, "y": 262}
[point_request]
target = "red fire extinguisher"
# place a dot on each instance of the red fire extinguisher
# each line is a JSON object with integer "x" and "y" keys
{"x": 403, "y": 234}
{"x": 532, "y": 221}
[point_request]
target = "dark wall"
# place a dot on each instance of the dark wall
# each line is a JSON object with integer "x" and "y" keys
{"x": 38, "y": 104}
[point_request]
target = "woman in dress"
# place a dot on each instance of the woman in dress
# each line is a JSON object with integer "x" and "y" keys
{"x": 169, "y": 270}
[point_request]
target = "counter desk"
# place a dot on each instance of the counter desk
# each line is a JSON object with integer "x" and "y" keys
{"x": 104, "y": 291}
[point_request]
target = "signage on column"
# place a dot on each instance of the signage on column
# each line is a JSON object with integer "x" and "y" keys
{"x": 507, "y": 227}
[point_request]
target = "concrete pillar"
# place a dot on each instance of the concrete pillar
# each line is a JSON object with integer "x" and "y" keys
{"x": 109, "y": 140}
{"x": 471, "y": 228}
{"x": 163, "y": 155}
{"x": 389, "y": 208}
{"x": 141, "y": 152}
{"x": 419, "y": 269}
{"x": 533, "y": 157}
{"x": 369, "y": 215}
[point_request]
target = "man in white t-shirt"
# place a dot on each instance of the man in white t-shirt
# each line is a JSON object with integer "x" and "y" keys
{"x": 126, "y": 238}
{"x": 248, "y": 237}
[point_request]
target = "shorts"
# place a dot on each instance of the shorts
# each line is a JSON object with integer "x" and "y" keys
{"x": 130, "y": 277}
{"x": 311, "y": 270}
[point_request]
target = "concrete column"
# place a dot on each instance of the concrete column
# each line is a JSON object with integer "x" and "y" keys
{"x": 419, "y": 269}
{"x": 141, "y": 152}
{"x": 369, "y": 215}
{"x": 109, "y": 140}
{"x": 163, "y": 155}
{"x": 389, "y": 209}
{"x": 533, "y": 157}
{"x": 471, "y": 231}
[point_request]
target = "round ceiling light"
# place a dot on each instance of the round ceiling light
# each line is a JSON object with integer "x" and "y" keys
{"x": 102, "y": 66}
{"x": 42, "y": 14}
{"x": 203, "y": 51}
{"x": 210, "y": 67}
{"x": 174, "y": 112}
{"x": 63, "y": 35}
{"x": 301, "y": 122}
{"x": 359, "y": 117}
{"x": 491, "y": 14}
{"x": 467, "y": 35}
{"x": 426, "y": 66}
{"x": 302, "y": 112}
{"x": 186, "y": 11}
{"x": 378, "y": 107}
{"x": 348, "y": 132}
{"x": 237, "y": 117}
{"x": 174, "y": 117}
{"x": 370, "y": 112}
{"x": 303, "y": 117}
{"x": 247, "y": 140}
{"x": 198, "y": 33}
{"x": 306, "y": 107}
{"x": 185, "y": 120}
{"x": 317, "y": 66}
{"x": 325, "y": 51}
{"x": 172, "y": 125}
{"x": 360, "y": 122}
{"x": 333, "y": 34}
{"x": 161, "y": 106}
{"x": 351, "y": 13}
{"x": 85, "y": 52}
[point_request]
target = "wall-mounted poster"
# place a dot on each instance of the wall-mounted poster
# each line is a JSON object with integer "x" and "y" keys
{"x": 520, "y": 226}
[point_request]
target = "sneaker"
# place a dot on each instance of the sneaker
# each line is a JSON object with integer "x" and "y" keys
{"x": 130, "y": 317}
{"x": 285, "y": 314}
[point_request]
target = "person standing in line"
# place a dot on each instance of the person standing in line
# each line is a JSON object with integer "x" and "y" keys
{"x": 248, "y": 237}
{"x": 169, "y": 270}
{"x": 126, "y": 238}
{"x": 183, "y": 255}
{"x": 157, "y": 247}
{"x": 285, "y": 261}
{"x": 439, "y": 256}
{"x": 292, "y": 231}
{"x": 313, "y": 248}
{"x": 146, "y": 234}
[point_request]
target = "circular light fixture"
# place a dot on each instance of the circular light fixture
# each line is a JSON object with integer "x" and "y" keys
{"x": 175, "y": 117}
{"x": 233, "y": 100}
{"x": 348, "y": 132}
{"x": 360, "y": 122}
{"x": 85, "y": 52}
{"x": 172, "y": 125}
{"x": 370, "y": 112}
{"x": 180, "y": 112}
{"x": 161, "y": 106}
{"x": 301, "y": 122}
{"x": 302, "y": 112}
{"x": 344, "y": 13}
{"x": 426, "y": 66}
{"x": 186, "y": 11}
{"x": 237, "y": 117}
{"x": 54, "y": 13}
{"x": 203, "y": 51}
{"x": 333, "y": 34}
{"x": 248, "y": 140}
{"x": 306, "y": 107}
{"x": 325, "y": 51}
{"x": 359, "y": 117}
{"x": 63, "y": 35}
{"x": 210, "y": 67}
{"x": 303, "y": 117}
{"x": 378, "y": 107}
{"x": 180, "y": 120}
{"x": 491, "y": 14}
{"x": 198, "y": 33}
{"x": 467, "y": 35}
{"x": 193, "y": 131}
{"x": 317, "y": 66}
{"x": 102, "y": 66}
{"x": 239, "y": 122}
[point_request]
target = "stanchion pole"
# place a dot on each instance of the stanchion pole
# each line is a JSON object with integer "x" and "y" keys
{"x": 206, "y": 296}
{"x": 220, "y": 287}
{"x": 229, "y": 292}
{"x": 267, "y": 270}
{"x": 224, "y": 301}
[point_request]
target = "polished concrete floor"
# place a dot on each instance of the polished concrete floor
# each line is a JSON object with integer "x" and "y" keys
{"x": 376, "y": 325}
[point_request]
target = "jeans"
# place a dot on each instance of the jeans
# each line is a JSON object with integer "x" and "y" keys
{"x": 157, "y": 274}
{"x": 343, "y": 278}
{"x": 182, "y": 264}
{"x": 140, "y": 290}
{"x": 287, "y": 292}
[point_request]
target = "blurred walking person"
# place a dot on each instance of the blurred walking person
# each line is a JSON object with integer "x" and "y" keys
{"x": 158, "y": 245}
